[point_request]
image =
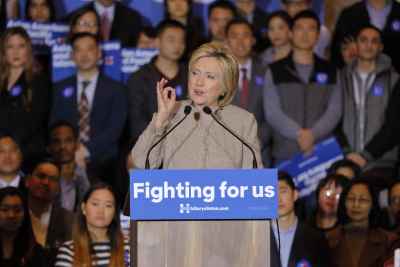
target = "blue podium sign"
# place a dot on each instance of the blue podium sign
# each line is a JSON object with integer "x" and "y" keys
{"x": 203, "y": 194}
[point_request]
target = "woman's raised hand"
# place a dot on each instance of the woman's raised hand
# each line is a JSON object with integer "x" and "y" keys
{"x": 166, "y": 100}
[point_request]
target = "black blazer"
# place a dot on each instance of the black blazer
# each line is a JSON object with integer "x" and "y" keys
{"x": 126, "y": 26}
{"x": 308, "y": 245}
{"x": 107, "y": 117}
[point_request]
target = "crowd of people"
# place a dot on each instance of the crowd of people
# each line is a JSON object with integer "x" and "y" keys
{"x": 282, "y": 80}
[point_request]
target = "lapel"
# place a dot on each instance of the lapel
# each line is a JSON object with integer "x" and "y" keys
{"x": 115, "y": 24}
{"x": 99, "y": 100}
{"x": 256, "y": 83}
{"x": 296, "y": 245}
{"x": 275, "y": 257}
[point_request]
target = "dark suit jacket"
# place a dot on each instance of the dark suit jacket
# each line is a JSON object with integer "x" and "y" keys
{"x": 126, "y": 26}
{"x": 256, "y": 107}
{"x": 308, "y": 244}
{"x": 107, "y": 117}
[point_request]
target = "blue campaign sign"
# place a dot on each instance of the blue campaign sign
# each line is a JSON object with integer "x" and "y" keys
{"x": 308, "y": 170}
{"x": 63, "y": 66}
{"x": 203, "y": 194}
{"x": 133, "y": 59}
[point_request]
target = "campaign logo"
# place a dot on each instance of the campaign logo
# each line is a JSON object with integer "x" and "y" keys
{"x": 259, "y": 80}
{"x": 396, "y": 25}
{"x": 377, "y": 90}
{"x": 109, "y": 60}
{"x": 179, "y": 90}
{"x": 184, "y": 208}
{"x": 303, "y": 263}
{"x": 322, "y": 78}
{"x": 16, "y": 90}
{"x": 67, "y": 92}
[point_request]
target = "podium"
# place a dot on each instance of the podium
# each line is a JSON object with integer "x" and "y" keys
{"x": 174, "y": 232}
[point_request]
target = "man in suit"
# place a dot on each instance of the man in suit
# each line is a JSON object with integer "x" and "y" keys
{"x": 94, "y": 104}
{"x": 170, "y": 41}
{"x": 240, "y": 39}
{"x": 51, "y": 224}
{"x": 299, "y": 244}
{"x": 118, "y": 22}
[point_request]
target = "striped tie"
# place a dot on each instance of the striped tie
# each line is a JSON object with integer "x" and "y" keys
{"x": 84, "y": 119}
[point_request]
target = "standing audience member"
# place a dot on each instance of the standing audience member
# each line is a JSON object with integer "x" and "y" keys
{"x": 357, "y": 241}
{"x": 170, "y": 41}
{"x": 181, "y": 10}
{"x": 302, "y": 99}
{"x": 24, "y": 95}
{"x": 300, "y": 245}
{"x": 220, "y": 12}
{"x": 40, "y": 11}
{"x": 294, "y": 7}
{"x": 51, "y": 223}
{"x": 97, "y": 237}
{"x": 391, "y": 215}
{"x": 345, "y": 167}
{"x": 279, "y": 25}
{"x": 63, "y": 144}
{"x": 10, "y": 163}
{"x": 18, "y": 247}
{"x": 383, "y": 14}
{"x": 94, "y": 104}
{"x": 9, "y": 10}
{"x": 85, "y": 20}
{"x": 117, "y": 21}
{"x": 147, "y": 38}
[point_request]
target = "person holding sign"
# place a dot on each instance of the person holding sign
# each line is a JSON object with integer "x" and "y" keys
{"x": 199, "y": 141}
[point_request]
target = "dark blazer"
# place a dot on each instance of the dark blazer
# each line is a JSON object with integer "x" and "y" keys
{"x": 350, "y": 21}
{"x": 308, "y": 244}
{"x": 107, "y": 116}
{"x": 126, "y": 25}
{"x": 27, "y": 122}
{"x": 256, "y": 107}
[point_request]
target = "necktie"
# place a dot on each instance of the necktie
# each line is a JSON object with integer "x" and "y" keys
{"x": 84, "y": 119}
{"x": 244, "y": 95}
{"x": 105, "y": 26}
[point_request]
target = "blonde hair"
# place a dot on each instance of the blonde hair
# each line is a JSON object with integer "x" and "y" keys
{"x": 229, "y": 68}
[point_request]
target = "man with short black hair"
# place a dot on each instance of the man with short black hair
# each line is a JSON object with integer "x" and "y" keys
{"x": 220, "y": 12}
{"x": 302, "y": 101}
{"x": 142, "y": 93}
{"x": 10, "y": 162}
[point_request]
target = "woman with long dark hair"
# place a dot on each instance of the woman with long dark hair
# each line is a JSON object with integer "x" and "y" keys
{"x": 24, "y": 94}
{"x": 18, "y": 247}
{"x": 97, "y": 238}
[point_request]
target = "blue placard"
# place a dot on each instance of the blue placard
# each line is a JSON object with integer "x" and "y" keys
{"x": 308, "y": 170}
{"x": 64, "y": 67}
{"x": 133, "y": 59}
{"x": 203, "y": 194}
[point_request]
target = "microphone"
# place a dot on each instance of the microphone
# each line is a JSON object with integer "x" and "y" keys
{"x": 187, "y": 111}
{"x": 208, "y": 111}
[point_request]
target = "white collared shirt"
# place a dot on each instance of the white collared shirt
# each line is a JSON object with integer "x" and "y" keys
{"x": 100, "y": 9}
{"x": 14, "y": 182}
{"x": 90, "y": 89}
{"x": 247, "y": 66}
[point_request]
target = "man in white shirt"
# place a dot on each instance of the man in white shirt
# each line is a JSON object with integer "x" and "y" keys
{"x": 10, "y": 162}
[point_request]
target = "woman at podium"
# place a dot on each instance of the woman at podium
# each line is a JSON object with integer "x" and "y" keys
{"x": 188, "y": 134}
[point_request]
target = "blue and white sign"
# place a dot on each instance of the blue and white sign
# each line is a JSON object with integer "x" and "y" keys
{"x": 308, "y": 170}
{"x": 133, "y": 59}
{"x": 203, "y": 194}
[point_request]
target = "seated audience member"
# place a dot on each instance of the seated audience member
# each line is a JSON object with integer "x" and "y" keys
{"x": 302, "y": 98}
{"x": 383, "y": 14}
{"x": 299, "y": 244}
{"x": 294, "y": 7}
{"x": 85, "y": 20}
{"x": 97, "y": 237}
{"x": 142, "y": 94}
{"x": 10, "y": 163}
{"x": 240, "y": 39}
{"x": 368, "y": 83}
{"x": 255, "y": 15}
{"x": 220, "y": 12}
{"x": 181, "y": 10}
{"x": 147, "y": 38}
{"x": 63, "y": 144}
{"x": 9, "y": 10}
{"x": 327, "y": 196}
{"x": 51, "y": 223}
{"x": 346, "y": 168}
{"x": 94, "y": 104}
{"x": 357, "y": 241}
{"x": 117, "y": 21}
{"x": 278, "y": 24}
{"x": 18, "y": 247}
{"x": 391, "y": 215}
{"x": 40, "y": 11}
{"x": 24, "y": 95}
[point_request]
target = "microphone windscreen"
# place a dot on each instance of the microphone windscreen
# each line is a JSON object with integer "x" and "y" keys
{"x": 207, "y": 110}
{"x": 187, "y": 110}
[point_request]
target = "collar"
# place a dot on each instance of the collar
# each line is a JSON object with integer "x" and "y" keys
{"x": 101, "y": 9}
{"x": 246, "y": 65}
{"x": 14, "y": 182}
{"x": 94, "y": 78}
{"x": 386, "y": 9}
